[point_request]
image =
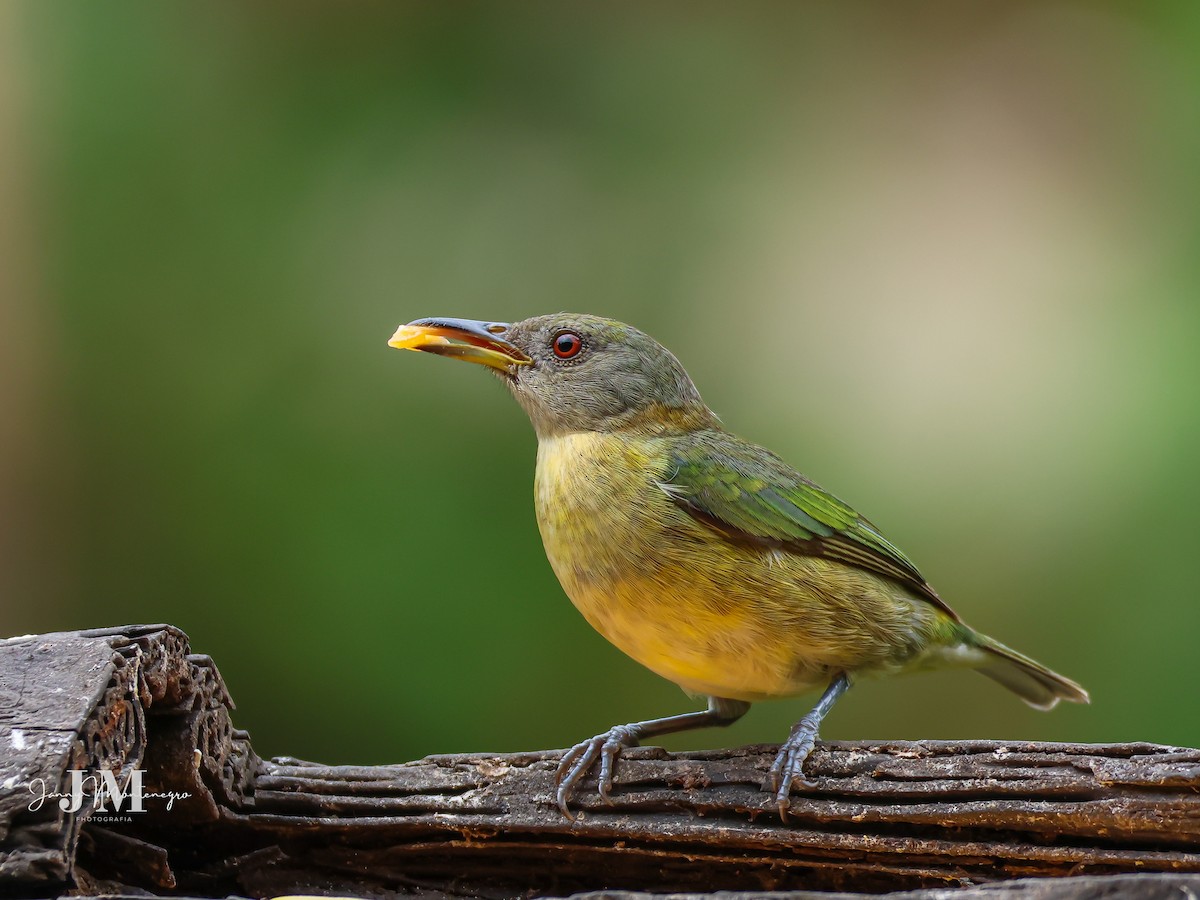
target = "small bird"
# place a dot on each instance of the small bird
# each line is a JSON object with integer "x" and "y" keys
{"x": 705, "y": 557}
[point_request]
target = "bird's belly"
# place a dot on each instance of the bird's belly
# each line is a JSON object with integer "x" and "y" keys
{"x": 716, "y": 619}
{"x": 694, "y": 639}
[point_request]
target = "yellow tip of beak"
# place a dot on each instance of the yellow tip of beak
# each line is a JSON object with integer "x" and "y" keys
{"x": 415, "y": 337}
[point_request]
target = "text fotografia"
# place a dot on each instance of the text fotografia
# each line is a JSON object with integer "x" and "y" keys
{"x": 102, "y": 792}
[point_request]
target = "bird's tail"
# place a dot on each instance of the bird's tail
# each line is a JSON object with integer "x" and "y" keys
{"x": 1031, "y": 681}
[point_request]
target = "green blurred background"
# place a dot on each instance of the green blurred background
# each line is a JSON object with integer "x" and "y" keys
{"x": 942, "y": 257}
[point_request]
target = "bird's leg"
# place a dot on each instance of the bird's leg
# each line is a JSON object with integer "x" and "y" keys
{"x": 605, "y": 747}
{"x": 788, "y": 767}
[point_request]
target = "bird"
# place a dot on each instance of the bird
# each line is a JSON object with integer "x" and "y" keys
{"x": 701, "y": 555}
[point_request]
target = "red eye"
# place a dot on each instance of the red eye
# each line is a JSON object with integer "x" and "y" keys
{"x": 566, "y": 344}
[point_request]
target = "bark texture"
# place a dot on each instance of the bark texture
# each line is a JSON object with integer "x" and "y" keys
{"x": 944, "y": 819}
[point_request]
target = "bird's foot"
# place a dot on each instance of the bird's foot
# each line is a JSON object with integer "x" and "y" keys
{"x": 580, "y": 759}
{"x": 788, "y": 768}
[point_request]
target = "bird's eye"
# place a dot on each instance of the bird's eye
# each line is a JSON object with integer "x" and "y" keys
{"x": 566, "y": 344}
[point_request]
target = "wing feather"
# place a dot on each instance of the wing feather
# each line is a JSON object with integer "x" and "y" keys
{"x": 750, "y": 496}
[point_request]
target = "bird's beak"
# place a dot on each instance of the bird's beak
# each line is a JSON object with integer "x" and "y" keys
{"x": 477, "y": 342}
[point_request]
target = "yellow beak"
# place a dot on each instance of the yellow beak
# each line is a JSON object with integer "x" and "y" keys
{"x": 467, "y": 339}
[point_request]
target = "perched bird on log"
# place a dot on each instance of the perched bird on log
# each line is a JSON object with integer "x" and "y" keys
{"x": 705, "y": 557}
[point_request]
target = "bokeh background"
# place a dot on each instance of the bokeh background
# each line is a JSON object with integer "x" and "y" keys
{"x": 941, "y": 256}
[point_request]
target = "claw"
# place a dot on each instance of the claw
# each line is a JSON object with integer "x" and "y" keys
{"x": 580, "y": 759}
{"x": 607, "y": 758}
{"x": 606, "y": 747}
{"x": 788, "y": 768}
{"x": 616, "y": 740}
{"x": 568, "y": 758}
{"x": 575, "y": 764}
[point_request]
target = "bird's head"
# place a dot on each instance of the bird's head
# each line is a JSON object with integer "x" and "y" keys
{"x": 572, "y": 372}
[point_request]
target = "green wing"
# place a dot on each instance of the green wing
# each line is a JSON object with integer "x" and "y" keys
{"x": 750, "y": 496}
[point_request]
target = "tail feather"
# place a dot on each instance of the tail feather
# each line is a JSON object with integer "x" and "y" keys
{"x": 1038, "y": 686}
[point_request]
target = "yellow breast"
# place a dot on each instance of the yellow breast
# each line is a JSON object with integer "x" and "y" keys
{"x": 716, "y": 618}
{"x": 603, "y": 517}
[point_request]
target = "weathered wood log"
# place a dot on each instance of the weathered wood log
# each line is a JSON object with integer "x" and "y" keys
{"x": 880, "y": 816}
